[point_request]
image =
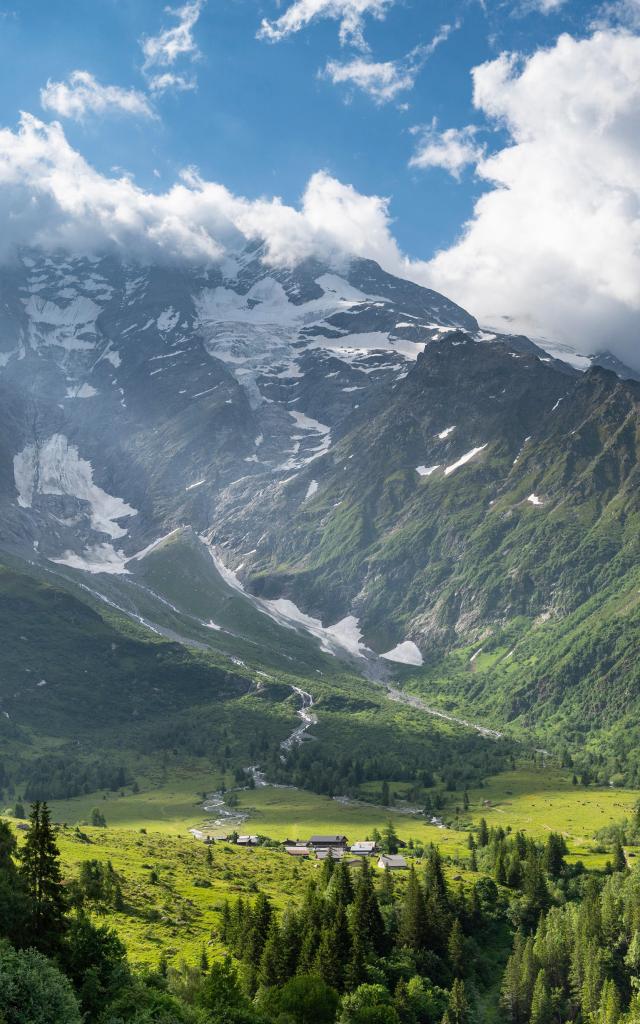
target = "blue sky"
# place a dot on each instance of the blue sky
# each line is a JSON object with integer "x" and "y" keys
{"x": 261, "y": 120}
{"x": 487, "y": 148}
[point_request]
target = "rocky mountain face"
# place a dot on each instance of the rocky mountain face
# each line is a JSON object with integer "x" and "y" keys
{"x": 353, "y": 447}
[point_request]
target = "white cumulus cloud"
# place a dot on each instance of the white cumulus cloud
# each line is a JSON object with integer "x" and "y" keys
{"x": 164, "y": 49}
{"x": 51, "y": 197}
{"x": 555, "y": 240}
{"x": 350, "y": 14}
{"x": 452, "y": 149}
{"x": 82, "y": 94}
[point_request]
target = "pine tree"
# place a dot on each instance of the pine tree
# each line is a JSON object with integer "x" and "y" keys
{"x": 386, "y": 888}
{"x": 328, "y": 866}
{"x": 40, "y": 870}
{"x": 528, "y": 974}
{"x": 609, "y": 1010}
{"x": 619, "y": 859}
{"x": 483, "y": 833}
{"x": 259, "y": 923}
{"x": 272, "y": 967}
{"x": 390, "y": 839}
{"x": 553, "y": 857}
{"x": 456, "y": 949}
{"x": 356, "y": 973}
{"x": 458, "y": 1009}
{"x": 413, "y": 930}
{"x": 290, "y": 928}
{"x": 329, "y": 965}
{"x": 541, "y": 1011}
{"x": 592, "y": 983}
{"x": 511, "y": 996}
{"x": 366, "y": 920}
{"x": 341, "y": 889}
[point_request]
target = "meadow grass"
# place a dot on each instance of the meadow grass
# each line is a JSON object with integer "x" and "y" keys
{"x": 173, "y": 897}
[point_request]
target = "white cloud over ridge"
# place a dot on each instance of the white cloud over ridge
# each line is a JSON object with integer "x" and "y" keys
{"x": 555, "y": 242}
{"x": 383, "y": 81}
{"x": 350, "y": 13}
{"x": 82, "y": 94}
{"x": 452, "y": 149}
{"x": 51, "y": 197}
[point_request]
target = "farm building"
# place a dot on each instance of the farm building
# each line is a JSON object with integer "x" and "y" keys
{"x": 247, "y": 841}
{"x": 364, "y": 849}
{"x": 333, "y": 852}
{"x": 327, "y": 842}
{"x": 297, "y": 851}
{"x": 392, "y": 862}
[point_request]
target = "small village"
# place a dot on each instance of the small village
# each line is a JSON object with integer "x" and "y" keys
{"x": 333, "y": 847}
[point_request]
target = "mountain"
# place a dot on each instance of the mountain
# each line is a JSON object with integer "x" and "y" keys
{"x": 238, "y": 454}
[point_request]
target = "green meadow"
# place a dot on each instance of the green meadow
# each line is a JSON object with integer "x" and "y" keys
{"x": 173, "y": 894}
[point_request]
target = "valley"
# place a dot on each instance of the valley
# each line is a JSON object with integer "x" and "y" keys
{"x": 308, "y": 551}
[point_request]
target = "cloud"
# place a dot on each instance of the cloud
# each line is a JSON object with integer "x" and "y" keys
{"x": 543, "y": 6}
{"x": 164, "y": 49}
{"x": 170, "y": 81}
{"x": 383, "y": 81}
{"x": 51, "y": 197}
{"x": 452, "y": 149}
{"x": 350, "y": 14}
{"x": 555, "y": 241}
{"x": 81, "y": 94}
{"x": 619, "y": 13}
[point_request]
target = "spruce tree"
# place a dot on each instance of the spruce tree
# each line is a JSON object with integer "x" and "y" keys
{"x": 609, "y": 1010}
{"x": 541, "y": 1011}
{"x": 366, "y": 920}
{"x": 40, "y": 870}
{"x": 483, "y": 833}
{"x": 328, "y": 963}
{"x": 272, "y": 966}
{"x": 619, "y": 859}
{"x": 511, "y": 993}
{"x": 341, "y": 889}
{"x": 413, "y": 928}
{"x": 456, "y": 949}
{"x": 458, "y": 1009}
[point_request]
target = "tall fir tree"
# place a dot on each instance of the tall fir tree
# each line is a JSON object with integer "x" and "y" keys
{"x": 541, "y": 1009}
{"x": 40, "y": 871}
{"x": 413, "y": 930}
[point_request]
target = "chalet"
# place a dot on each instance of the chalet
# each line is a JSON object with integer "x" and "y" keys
{"x": 364, "y": 849}
{"x": 392, "y": 862}
{"x": 328, "y": 842}
{"x": 333, "y": 853}
{"x": 297, "y": 851}
{"x": 247, "y": 841}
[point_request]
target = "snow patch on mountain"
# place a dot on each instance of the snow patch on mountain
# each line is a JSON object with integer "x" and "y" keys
{"x": 406, "y": 653}
{"x": 344, "y": 635}
{"x": 56, "y": 468}
{"x": 464, "y": 459}
{"x": 63, "y": 326}
{"x": 96, "y": 558}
